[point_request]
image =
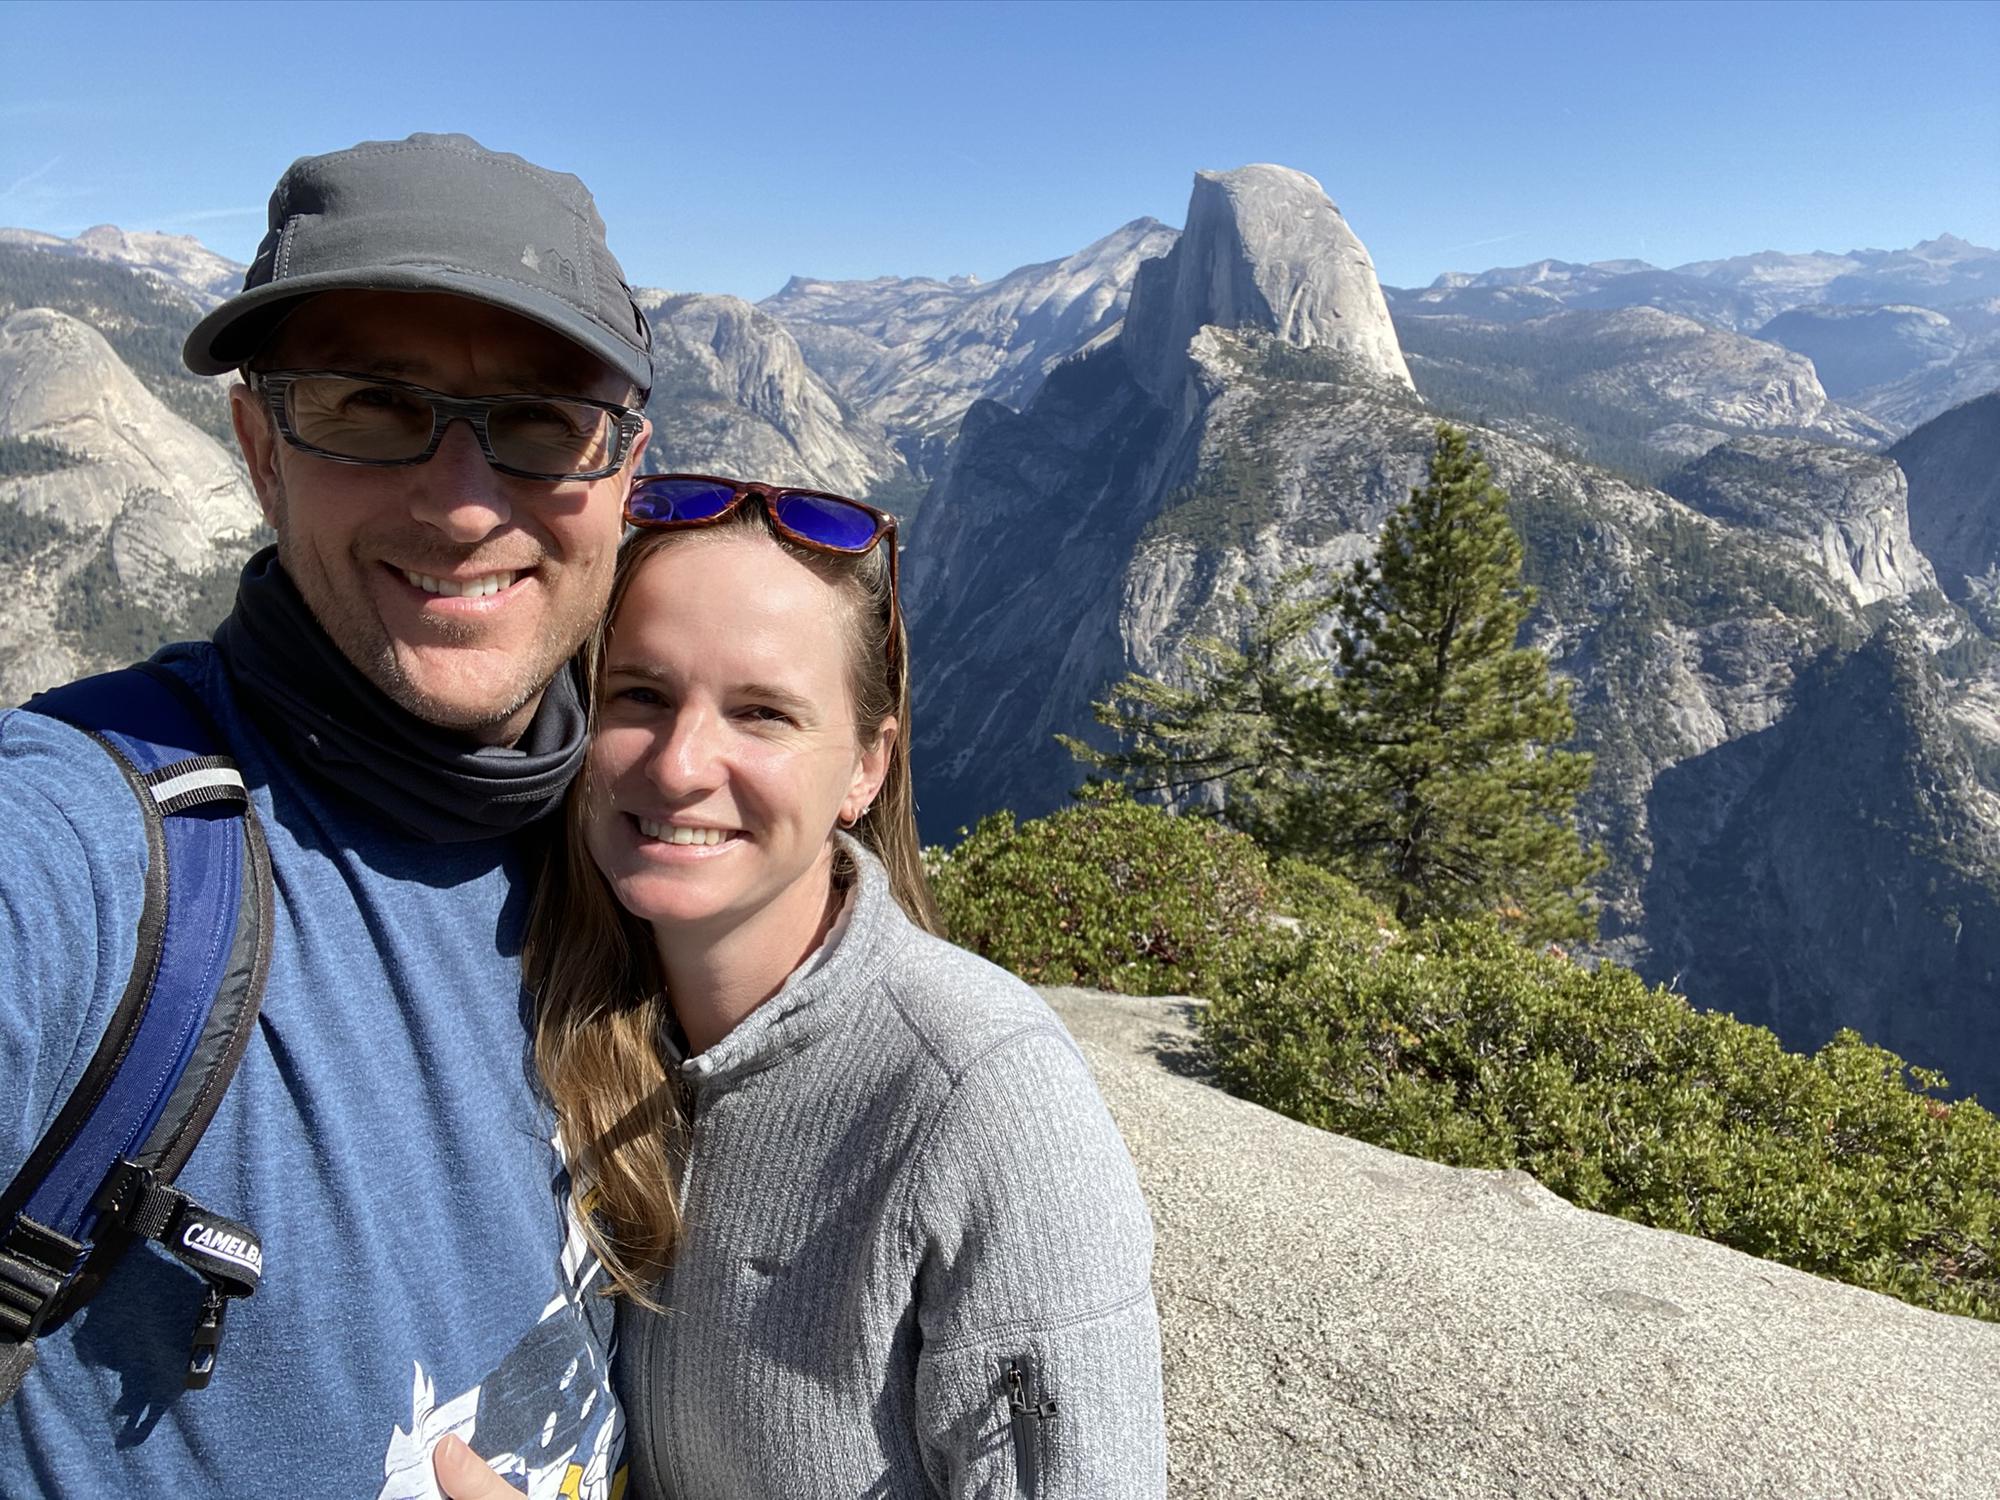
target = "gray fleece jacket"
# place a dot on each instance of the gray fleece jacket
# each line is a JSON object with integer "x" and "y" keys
{"x": 917, "y": 1262}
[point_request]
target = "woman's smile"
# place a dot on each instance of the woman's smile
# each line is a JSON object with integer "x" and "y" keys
{"x": 686, "y": 835}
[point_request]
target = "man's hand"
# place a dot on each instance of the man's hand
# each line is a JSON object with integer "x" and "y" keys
{"x": 464, "y": 1475}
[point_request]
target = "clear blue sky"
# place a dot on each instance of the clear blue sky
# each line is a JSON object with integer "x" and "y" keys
{"x": 732, "y": 145}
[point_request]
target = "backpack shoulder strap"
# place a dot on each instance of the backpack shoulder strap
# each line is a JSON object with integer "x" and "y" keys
{"x": 102, "y": 1175}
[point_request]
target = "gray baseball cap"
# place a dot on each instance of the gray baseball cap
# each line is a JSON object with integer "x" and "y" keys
{"x": 434, "y": 213}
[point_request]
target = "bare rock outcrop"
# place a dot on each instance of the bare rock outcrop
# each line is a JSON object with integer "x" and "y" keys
{"x": 61, "y": 383}
{"x": 138, "y": 491}
{"x": 1265, "y": 250}
{"x": 1339, "y": 1320}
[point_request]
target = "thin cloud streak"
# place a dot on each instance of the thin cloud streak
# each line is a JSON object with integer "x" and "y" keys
{"x": 211, "y": 215}
{"x": 33, "y": 177}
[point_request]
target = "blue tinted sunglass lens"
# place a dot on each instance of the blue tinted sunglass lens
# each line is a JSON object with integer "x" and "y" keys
{"x": 830, "y": 522}
{"x": 679, "y": 500}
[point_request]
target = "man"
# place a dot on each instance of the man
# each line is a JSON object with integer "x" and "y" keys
{"x": 393, "y": 682}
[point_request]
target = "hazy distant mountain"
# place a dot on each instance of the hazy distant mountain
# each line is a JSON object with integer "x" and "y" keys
{"x": 1741, "y": 293}
{"x": 1900, "y": 363}
{"x": 1953, "y": 464}
{"x": 913, "y": 353}
{"x": 179, "y": 261}
{"x": 1854, "y": 348}
{"x": 1512, "y": 294}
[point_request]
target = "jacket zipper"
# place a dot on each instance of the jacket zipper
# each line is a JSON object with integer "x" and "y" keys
{"x": 1026, "y": 1414}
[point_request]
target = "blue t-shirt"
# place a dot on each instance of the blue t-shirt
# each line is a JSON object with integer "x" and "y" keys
{"x": 384, "y": 1135}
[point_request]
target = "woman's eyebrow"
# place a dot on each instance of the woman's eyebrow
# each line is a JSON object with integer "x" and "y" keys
{"x": 766, "y": 693}
{"x": 776, "y": 697}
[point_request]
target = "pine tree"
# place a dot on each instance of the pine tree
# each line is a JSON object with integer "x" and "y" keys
{"x": 1453, "y": 796}
{"x": 1421, "y": 761}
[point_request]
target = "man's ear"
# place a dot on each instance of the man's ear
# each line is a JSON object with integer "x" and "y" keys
{"x": 258, "y": 439}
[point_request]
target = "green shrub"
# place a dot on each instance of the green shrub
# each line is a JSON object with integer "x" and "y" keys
{"x": 1458, "y": 1045}
{"x": 1110, "y": 893}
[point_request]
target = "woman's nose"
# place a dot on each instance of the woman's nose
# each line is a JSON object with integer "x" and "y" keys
{"x": 687, "y": 759}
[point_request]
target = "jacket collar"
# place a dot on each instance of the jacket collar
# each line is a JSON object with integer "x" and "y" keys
{"x": 809, "y": 1004}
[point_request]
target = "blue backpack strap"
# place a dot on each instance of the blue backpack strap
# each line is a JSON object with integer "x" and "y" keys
{"x": 102, "y": 1175}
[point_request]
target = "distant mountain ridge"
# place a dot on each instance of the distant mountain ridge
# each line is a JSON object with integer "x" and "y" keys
{"x": 179, "y": 261}
{"x": 913, "y": 353}
{"x": 1940, "y": 270}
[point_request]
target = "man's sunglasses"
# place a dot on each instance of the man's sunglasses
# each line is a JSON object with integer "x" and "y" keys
{"x": 366, "y": 419}
{"x": 815, "y": 519}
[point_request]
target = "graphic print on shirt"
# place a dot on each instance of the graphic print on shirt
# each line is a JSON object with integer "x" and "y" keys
{"x": 555, "y": 1441}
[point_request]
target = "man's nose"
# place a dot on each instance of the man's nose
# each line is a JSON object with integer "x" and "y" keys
{"x": 457, "y": 491}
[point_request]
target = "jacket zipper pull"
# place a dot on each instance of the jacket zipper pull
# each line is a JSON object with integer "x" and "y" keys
{"x": 1022, "y": 1409}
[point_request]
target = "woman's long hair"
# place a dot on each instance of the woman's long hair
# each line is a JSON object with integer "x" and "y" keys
{"x": 600, "y": 994}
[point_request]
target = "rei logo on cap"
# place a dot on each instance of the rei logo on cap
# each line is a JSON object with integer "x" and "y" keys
{"x": 549, "y": 263}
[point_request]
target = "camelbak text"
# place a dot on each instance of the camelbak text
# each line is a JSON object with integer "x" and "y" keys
{"x": 225, "y": 1246}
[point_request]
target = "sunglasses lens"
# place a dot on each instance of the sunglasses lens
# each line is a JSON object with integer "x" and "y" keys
{"x": 552, "y": 436}
{"x": 829, "y": 522}
{"x": 669, "y": 500}
{"x": 357, "y": 418}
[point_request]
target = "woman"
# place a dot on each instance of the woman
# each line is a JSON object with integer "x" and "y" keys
{"x": 877, "y": 1233}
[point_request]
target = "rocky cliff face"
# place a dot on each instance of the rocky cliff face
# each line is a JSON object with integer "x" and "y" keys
{"x": 1845, "y": 512}
{"x": 118, "y": 511}
{"x": 143, "y": 316}
{"x": 1953, "y": 464}
{"x": 912, "y": 353}
{"x": 732, "y": 394}
{"x": 1264, "y": 250}
{"x": 1860, "y": 820}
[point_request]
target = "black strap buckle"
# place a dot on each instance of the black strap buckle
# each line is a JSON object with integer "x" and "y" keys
{"x": 37, "y": 1266}
{"x": 227, "y": 1255}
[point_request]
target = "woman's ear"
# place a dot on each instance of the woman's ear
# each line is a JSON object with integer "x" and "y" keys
{"x": 869, "y": 775}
